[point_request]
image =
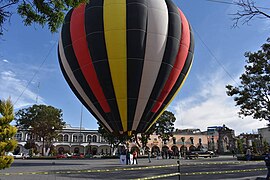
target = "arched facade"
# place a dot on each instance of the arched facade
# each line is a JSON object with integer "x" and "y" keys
{"x": 84, "y": 141}
{"x": 70, "y": 140}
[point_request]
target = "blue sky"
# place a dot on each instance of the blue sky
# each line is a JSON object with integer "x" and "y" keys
{"x": 202, "y": 101}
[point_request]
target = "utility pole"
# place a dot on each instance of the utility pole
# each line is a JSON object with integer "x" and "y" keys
{"x": 80, "y": 135}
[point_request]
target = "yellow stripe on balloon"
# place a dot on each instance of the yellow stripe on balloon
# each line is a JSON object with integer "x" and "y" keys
{"x": 115, "y": 39}
{"x": 172, "y": 97}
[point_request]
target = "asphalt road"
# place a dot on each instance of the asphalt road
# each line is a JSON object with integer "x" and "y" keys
{"x": 223, "y": 167}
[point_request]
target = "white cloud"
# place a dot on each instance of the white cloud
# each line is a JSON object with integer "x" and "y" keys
{"x": 5, "y": 60}
{"x": 212, "y": 107}
{"x": 12, "y": 86}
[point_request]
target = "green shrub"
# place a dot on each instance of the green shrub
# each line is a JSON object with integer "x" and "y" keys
{"x": 7, "y": 132}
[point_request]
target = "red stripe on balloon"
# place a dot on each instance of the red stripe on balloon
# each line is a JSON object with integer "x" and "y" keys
{"x": 79, "y": 43}
{"x": 179, "y": 63}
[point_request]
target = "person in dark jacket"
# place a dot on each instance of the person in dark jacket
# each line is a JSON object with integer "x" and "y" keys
{"x": 148, "y": 155}
{"x": 267, "y": 163}
{"x": 127, "y": 157}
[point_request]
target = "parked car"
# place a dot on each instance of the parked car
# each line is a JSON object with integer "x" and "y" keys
{"x": 77, "y": 156}
{"x": 68, "y": 155}
{"x": 197, "y": 154}
{"x": 9, "y": 154}
{"x": 61, "y": 156}
{"x": 17, "y": 156}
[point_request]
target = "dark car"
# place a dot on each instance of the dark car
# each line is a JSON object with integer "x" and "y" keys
{"x": 197, "y": 154}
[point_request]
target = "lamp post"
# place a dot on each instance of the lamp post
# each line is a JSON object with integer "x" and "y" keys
{"x": 184, "y": 148}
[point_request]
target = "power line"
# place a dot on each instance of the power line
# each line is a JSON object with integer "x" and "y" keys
{"x": 44, "y": 60}
{"x": 214, "y": 57}
{"x": 221, "y": 2}
{"x": 233, "y": 3}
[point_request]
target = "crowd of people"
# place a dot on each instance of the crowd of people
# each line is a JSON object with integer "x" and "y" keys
{"x": 130, "y": 160}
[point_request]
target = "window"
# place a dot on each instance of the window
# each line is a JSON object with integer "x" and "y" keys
{"x": 94, "y": 138}
{"x": 183, "y": 139}
{"x": 18, "y": 136}
{"x": 75, "y": 138}
{"x": 60, "y": 138}
{"x": 192, "y": 140}
{"x": 174, "y": 140}
{"x": 81, "y": 138}
{"x": 65, "y": 138}
{"x": 89, "y": 138}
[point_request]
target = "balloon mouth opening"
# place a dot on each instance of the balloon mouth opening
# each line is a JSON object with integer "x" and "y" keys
{"x": 124, "y": 133}
{"x": 128, "y": 133}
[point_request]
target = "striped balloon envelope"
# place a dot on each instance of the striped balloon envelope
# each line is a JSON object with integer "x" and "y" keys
{"x": 126, "y": 59}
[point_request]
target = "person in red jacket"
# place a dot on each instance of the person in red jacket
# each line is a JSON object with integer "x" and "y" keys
{"x": 135, "y": 156}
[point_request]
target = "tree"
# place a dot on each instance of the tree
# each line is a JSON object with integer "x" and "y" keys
{"x": 164, "y": 127}
{"x": 7, "y": 132}
{"x": 240, "y": 148}
{"x": 253, "y": 95}
{"x": 248, "y": 10}
{"x": 43, "y": 122}
{"x": 145, "y": 137}
{"x": 265, "y": 146}
{"x": 41, "y": 12}
{"x": 112, "y": 139}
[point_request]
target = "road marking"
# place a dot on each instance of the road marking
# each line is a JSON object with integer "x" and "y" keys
{"x": 159, "y": 176}
{"x": 201, "y": 173}
{"x": 141, "y": 168}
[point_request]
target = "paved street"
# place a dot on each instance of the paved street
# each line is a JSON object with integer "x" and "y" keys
{"x": 216, "y": 168}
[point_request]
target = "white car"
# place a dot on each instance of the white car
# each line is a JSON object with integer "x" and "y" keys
{"x": 68, "y": 155}
{"x": 9, "y": 154}
{"x": 17, "y": 156}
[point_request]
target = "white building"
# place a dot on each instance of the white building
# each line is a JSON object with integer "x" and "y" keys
{"x": 71, "y": 140}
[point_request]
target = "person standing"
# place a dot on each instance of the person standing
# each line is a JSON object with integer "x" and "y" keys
{"x": 233, "y": 152}
{"x": 149, "y": 155}
{"x": 267, "y": 164}
{"x": 135, "y": 156}
{"x": 127, "y": 157}
{"x": 248, "y": 154}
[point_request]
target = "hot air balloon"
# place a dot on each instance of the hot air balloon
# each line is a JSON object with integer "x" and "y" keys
{"x": 125, "y": 60}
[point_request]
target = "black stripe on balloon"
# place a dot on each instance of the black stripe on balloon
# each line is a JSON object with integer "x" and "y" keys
{"x": 74, "y": 65}
{"x": 178, "y": 83}
{"x": 136, "y": 42}
{"x": 95, "y": 37}
{"x": 169, "y": 57}
{"x": 77, "y": 94}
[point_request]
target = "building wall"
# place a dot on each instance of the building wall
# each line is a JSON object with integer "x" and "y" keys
{"x": 72, "y": 140}
{"x": 265, "y": 134}
{"x": 80, "y": 140}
